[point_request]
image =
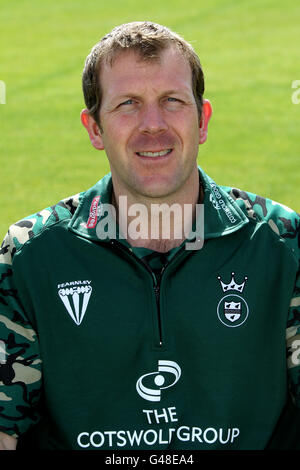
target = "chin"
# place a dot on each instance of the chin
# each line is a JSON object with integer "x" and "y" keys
{"x": 158, "y": 189}
{"x": 157, "y": 192}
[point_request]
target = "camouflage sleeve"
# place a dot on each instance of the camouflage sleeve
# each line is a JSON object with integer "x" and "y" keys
{"x": 20, "y": 365}
{"x": 286, "y": 223}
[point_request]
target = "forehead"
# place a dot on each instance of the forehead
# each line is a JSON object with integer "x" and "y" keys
{"x": 130, "y": 72}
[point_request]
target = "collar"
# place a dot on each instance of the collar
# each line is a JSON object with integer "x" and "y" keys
{"x": 95, "y": 217}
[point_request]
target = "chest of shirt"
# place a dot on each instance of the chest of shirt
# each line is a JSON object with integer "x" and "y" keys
{"x": 234, "y": 287}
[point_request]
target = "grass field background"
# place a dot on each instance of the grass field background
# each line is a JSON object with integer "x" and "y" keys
{"x": 249, "y": 50}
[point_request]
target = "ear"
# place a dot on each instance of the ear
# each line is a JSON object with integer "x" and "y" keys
{"x": 205, "y": 117}
{"x": 92, "y": 128}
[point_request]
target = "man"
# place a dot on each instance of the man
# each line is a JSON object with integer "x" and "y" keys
{"x": 112, "y": 340}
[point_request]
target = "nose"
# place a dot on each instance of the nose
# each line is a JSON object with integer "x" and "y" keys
{"x": 152, "y": 120}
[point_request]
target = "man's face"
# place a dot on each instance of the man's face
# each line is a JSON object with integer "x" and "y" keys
{"x": 150, "y": 123}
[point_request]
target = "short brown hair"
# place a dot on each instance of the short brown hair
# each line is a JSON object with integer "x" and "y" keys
{"x": 148, "y": 40}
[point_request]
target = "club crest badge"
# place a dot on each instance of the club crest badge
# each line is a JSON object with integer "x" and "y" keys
{"x": 232, "y": 309}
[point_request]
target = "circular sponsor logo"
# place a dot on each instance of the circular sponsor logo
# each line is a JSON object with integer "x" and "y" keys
{"x": 149, "y": 385}
{"x": 232, "y": 310}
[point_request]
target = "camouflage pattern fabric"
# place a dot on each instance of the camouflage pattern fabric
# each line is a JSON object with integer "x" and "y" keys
{"x": 20, "y": 362}
{"x": 286, "y": 224}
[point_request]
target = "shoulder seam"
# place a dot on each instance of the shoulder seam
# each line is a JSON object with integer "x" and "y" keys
{"x": 23, "y": 230}
{"x": 286, "y": 231}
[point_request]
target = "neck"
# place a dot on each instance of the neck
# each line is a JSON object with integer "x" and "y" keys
{"x": 159, "y": 224}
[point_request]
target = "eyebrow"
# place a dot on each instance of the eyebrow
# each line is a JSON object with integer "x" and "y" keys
{"x": 176, "y": 92}
{"x": 124, "y": 96}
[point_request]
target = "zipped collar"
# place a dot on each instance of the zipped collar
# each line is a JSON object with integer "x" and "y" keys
{"x": 222, "y": 215}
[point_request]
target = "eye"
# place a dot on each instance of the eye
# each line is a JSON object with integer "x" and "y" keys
{"x": 172, "y": 103}
{"x": 127, "y": 102}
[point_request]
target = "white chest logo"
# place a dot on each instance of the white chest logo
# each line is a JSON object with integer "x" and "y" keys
{"x": 149, "y": 385}
{"x": 75, "y": 296}
{"x": 232, "y": 309}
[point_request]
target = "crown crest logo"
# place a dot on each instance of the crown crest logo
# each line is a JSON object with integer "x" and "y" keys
{"x": 232, "y": 284}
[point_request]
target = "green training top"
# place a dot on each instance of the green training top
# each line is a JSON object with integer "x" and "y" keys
{"x": 103, "y": 346}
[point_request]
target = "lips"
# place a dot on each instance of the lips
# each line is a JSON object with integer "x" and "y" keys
{"x": 154, "y": 154}
{"x": 158, "y": 146}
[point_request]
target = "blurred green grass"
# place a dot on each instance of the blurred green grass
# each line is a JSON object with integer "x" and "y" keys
{"x": 249, "y": 50}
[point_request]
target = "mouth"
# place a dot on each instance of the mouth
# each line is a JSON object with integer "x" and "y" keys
{"x": 160, "y": 153}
